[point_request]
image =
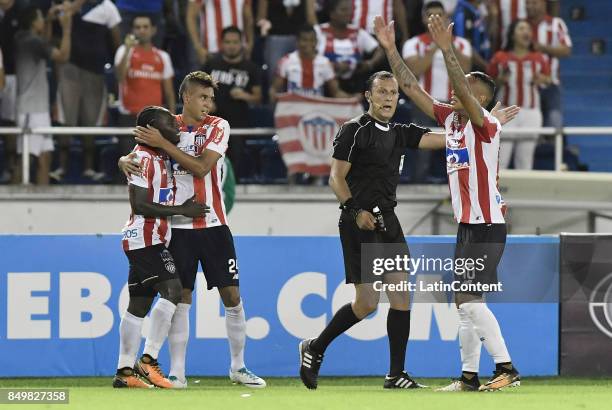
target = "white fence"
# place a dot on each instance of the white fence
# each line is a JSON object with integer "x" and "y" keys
{"x": 116, "y": 131}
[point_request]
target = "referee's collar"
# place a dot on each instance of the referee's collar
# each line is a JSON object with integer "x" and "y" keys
{"x": 383, "y": 126}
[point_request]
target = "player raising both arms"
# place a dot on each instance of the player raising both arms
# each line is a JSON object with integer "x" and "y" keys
{"x": 472, "y": 152}
{"x": 207, "y": 241}
{"x": 152, "y": 270}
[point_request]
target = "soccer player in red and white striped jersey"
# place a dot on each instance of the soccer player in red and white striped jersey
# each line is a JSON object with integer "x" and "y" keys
{"x": 214, "y": 16}
{"x": 472, "y": 146}
{"x": 208, "y": 241}
{"x": 152, "y": 269}
{"x": 520, "y": 72}
{"x": 551, "y": 37}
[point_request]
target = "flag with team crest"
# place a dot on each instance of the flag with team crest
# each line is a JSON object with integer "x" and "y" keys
{"x": 306, "y": 127}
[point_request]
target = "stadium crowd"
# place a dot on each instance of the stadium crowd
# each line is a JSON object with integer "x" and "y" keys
{"x": 98, "y": 63}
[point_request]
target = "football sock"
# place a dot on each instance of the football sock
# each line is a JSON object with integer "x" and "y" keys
{"x": 161, "y": 318}
{"x": 235, "y": 324}
{"x": 342, "y": 321}
{"x": 504, "y": 366}
{"x": 487, "y": 328}
{"x": 178, "y": 335}
{"x": 129, "y": 339}
{"x": 469, "y": 342}
{"x": 470, "y": 378}
{"x": 398, "y": 331}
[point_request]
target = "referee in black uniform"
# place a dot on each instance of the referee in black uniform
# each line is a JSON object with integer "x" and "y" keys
{"x": 365, "y": 172}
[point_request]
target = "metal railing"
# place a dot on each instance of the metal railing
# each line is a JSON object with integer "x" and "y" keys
{"x": 26, "y": 131}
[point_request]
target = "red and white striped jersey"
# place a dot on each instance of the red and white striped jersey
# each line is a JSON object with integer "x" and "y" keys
{"x": 520, "y": 89}
{"x": 364, "y": 12}
{"x": 305, "y": 77}
{"x": 509, "y": 10}
{"x": 211, "y": 134}
{"x": 472, "y": 156}
{"x": 552, "y": 32}
{"x": 435, "y": 79}
{"x": 215, "y": 15}
{"x": 138, "y": 231}
{"x": 348, "y": 47}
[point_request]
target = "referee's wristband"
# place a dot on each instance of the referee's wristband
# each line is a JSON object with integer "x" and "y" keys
{"x": 351, "y": 206}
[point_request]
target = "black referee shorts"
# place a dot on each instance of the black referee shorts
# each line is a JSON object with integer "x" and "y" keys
{"x": 352, "y": 239}
{"x": 482, "y": 244}
{"x": 148, "y": 266}
{"x": 213, "y": 248}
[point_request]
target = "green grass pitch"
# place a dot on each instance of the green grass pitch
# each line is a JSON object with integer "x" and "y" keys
{"x": 556, "y": 393}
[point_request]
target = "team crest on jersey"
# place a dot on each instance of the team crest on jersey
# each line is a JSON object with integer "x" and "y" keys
{"x": 200, "y": 139}
{"x": 316, "y": 133}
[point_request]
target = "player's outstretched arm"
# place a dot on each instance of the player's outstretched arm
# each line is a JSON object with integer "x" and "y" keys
{"x": 505, "y": 115}
{"x": 199, "y": 166}
{"x": 405, "y": 78}
{"x": 443, "y": 37}
{"x": 139, "y": 201}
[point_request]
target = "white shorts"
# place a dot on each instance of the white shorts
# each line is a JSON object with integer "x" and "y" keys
{"x": 8, "y": 99}
{"x": 38, "y": 143}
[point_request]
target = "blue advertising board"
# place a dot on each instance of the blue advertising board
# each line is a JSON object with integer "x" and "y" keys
{"x": 62, "y": 296}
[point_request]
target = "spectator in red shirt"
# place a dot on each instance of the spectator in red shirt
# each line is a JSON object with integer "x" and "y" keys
{"x": 519, "y": 71}
{"x": 144, "y": 74}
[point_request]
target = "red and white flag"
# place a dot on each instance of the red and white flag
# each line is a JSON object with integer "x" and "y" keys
{"x": 306, "y": 127}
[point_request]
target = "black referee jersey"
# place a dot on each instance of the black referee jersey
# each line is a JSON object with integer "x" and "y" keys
{"x": 375, "y": 150}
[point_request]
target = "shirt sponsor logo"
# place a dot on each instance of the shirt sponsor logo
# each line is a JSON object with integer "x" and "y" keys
{"x": 166, "y": 196}
{"x": 457, "y": 158}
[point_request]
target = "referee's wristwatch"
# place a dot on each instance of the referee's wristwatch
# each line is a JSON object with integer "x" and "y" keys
{"x": 352, "y": 207}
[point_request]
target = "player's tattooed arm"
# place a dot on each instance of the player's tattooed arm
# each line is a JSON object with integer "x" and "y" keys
{"x": 443, "y": 37}
{"x": 405, "y": 78}
{"x": 139, "y": 201}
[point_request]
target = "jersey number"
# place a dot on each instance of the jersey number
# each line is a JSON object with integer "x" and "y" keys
{"x": 233, "y": 265}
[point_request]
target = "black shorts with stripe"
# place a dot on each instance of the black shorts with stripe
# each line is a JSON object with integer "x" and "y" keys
{"x": 213, "y": 249}
{"x": 149, "y": 266}
{"x": 484, "y": 245}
